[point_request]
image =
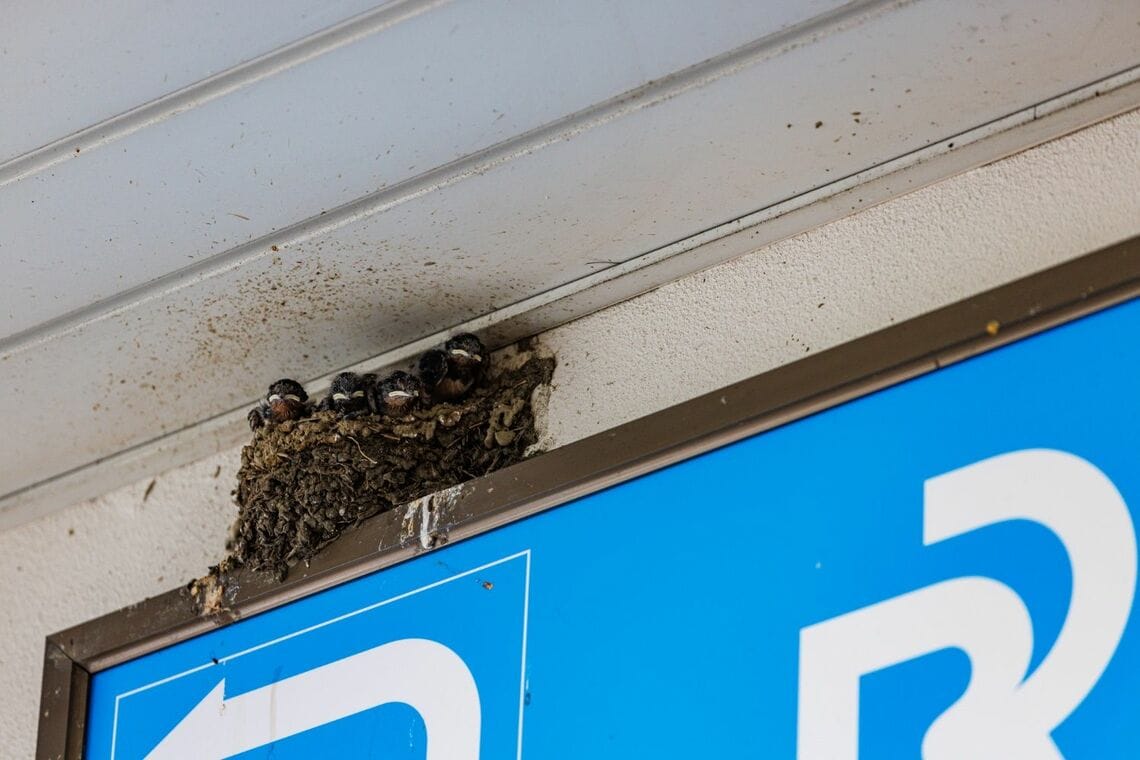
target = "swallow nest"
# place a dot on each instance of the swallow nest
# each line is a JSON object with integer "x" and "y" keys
{"x": 302, "y": 483}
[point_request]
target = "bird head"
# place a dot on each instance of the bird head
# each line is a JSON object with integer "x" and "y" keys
{"x": 465, "y": 350}
{"x": 286, "y": 390}
{"x": 345, "y": 387}
{"x": 400, "y": 390}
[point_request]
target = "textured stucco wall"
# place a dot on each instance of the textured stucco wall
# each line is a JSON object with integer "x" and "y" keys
{"x": 771, "y": 307}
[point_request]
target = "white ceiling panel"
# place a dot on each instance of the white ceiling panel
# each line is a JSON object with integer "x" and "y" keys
{"x": 69, "y": 64}
{"x": 321, "y": 134}
{"x": 460, "y": 163}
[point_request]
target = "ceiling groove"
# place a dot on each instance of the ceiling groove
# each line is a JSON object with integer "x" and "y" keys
{"x": 213, "y": 87}
{"x": 562, "y": 129}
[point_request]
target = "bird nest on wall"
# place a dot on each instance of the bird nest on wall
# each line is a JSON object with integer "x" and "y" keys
{"x": 303, "y": 482}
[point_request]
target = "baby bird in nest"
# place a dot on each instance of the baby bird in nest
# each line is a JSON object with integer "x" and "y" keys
{"x": 450, "y": 372}
{"x": 286, "y": 400}
{"x": 396, "y": 395}
{"x": 347, "y": 395}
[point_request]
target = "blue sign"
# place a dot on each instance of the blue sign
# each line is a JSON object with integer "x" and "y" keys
{"x": 943, "y": 569}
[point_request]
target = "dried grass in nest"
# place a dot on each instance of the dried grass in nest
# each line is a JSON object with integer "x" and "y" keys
{"x": 303, "y": 483}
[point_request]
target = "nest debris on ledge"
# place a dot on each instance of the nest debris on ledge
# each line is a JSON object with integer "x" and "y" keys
{"x": 303, "y": 482}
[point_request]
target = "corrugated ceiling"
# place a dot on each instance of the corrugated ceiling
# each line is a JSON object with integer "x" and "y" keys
{"x": 196, "y": 200}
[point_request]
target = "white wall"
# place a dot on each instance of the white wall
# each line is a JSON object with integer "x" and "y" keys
{"x": 800, "y": 296}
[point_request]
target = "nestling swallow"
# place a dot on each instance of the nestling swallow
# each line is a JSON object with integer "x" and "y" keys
{"x": 286, "y": 400}
{"x": 449, "y": 373}
{"x": 396, "y": 395}
{"x": 346, "y": 396}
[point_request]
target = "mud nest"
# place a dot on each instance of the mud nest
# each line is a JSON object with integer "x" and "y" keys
{"x": 303, "y": 483}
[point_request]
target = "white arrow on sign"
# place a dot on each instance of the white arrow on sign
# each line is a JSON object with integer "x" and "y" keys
{"x": 423, "y": 674}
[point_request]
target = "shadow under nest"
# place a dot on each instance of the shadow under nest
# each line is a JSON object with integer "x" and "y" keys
{"x": 302, "y": 483}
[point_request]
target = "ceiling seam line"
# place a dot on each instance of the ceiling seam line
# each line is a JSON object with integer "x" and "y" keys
{"x": 213, "y": 87}
{"x": 245, "y": 253}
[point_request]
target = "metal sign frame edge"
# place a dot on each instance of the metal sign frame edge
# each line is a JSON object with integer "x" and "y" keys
{"x": 920, "y": 345}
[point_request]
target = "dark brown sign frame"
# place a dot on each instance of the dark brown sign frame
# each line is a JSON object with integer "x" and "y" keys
{"x": 942, "y": 337}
